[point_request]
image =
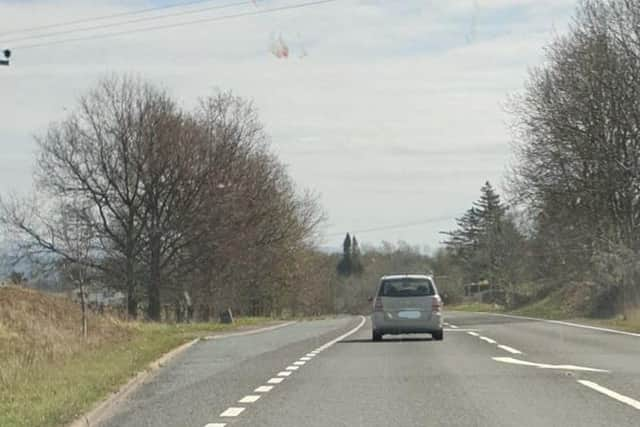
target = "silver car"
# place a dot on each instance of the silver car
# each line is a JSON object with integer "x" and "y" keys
{"x": 407, "y": 304}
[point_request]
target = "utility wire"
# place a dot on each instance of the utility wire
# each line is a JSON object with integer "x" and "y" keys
{"x": 179, "y": 24}
{"x": 395, "y": 226}
{"x": 105, "y": 17}
{"x": 130, "y": 21}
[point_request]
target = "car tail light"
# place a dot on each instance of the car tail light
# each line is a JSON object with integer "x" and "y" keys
{"x": 377, "y": 306}
{"x": 436, "y": 305}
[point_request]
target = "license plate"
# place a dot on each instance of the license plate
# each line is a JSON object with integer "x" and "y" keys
{"x": 409, "y": 315}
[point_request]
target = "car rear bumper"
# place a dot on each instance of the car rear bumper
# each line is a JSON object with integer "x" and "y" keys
{"x": 382, "y": 324}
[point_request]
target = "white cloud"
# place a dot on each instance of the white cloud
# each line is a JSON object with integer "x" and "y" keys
{"x": 394, "y": 117}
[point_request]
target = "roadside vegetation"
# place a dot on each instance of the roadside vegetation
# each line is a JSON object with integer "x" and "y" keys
{"x": 563, "y": 241}
{"x": 50, "y": 374}
{"x": 179, "y": 210}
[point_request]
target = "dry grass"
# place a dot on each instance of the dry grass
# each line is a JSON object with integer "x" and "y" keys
{"x": 49, "y": 374}
{"x": 37, "y": 328}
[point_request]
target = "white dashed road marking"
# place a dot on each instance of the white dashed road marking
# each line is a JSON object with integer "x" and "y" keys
{"x": 453, "y": 326}
{"x": 612, "y": 394}
{"x": 235, "y": 411}
{"x": 509, "y": 349}
{"x": 474, "y": 334}
{"x": 489, "y": 340}
{"x": 546, "y": 365}
{"x": 232, "y": 412}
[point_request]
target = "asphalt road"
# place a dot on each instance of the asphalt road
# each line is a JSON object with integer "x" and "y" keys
{"x": 488, "y": 371}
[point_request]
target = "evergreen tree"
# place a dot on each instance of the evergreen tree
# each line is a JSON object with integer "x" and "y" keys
{"x": 346, "y": 263}
{"x": 356, "y": 259}
{"x": 492, "y": 222}
{"x": 478, "y": 241}
{"x": 490, "y": 208}
{"x": 465, "y": 241}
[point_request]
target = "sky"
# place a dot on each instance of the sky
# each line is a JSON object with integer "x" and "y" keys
{"x": 393, "y": 111}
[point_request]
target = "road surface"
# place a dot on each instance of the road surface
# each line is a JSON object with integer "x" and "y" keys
{"x": 489, "y": 371}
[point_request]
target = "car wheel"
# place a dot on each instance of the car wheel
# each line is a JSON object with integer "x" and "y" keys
{"x": 376, "y": 336}
{"x": 438, "y": 335}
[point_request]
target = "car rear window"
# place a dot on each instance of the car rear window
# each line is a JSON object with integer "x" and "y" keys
{"x": 406, "y": 288}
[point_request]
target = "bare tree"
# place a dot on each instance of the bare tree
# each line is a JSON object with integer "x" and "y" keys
{"x": 59, "y": 240}
{"x": 578, "y": 138}
{"x": 173, "y": 201}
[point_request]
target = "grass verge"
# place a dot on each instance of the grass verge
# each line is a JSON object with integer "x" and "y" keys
{"x": 50, "y": 380}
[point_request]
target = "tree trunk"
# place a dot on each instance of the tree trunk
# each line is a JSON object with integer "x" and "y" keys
{"x": 154, "y": 309}
{"x": 132, "y": 301}
{"x": 83, "y": 307}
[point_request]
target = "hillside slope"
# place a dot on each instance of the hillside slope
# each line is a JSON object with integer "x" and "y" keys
{"x": 49, "y": 374}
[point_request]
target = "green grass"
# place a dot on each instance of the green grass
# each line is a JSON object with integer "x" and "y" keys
{"x": 54, "y": 393}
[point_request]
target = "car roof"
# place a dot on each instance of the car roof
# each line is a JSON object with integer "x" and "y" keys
{"x": 407, "y": 276}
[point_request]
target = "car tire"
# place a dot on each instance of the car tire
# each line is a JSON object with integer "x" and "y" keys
{"x": 376, "y": 336}
{"x": 438, "y": 335}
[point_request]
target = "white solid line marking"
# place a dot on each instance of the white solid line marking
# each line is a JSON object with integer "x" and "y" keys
{"x": 509, "y": 349}
{"x": 232, "y": 412}
{"x": 299, "y": 363}
{"x": 453, "y": 326}
{"x": 275, "y": 380}
{"x": 345, "y": 335}
{"x": 546, "y": 365}
{"x": 284, "y": 373}
{"x": 216, "y": 425}
{"x": 292, "y": 368}
{"x": 489, "y": 340}
{"x": 560, "y": 322}
{"x": 249, "y": 398}
{"x": 305, "y": 358}
{"x": 612, "y": 394}
{"x": 474, "y": 334}
{"x": 263, "y": 389}
{"x": 251, "y": 332}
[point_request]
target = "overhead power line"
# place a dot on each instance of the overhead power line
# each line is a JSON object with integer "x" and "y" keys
{"x": 395, "y": 226}
{"x": 105, "y": 17}
{"x": 179, "y": 24}
{"x": 127, "y": 22}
